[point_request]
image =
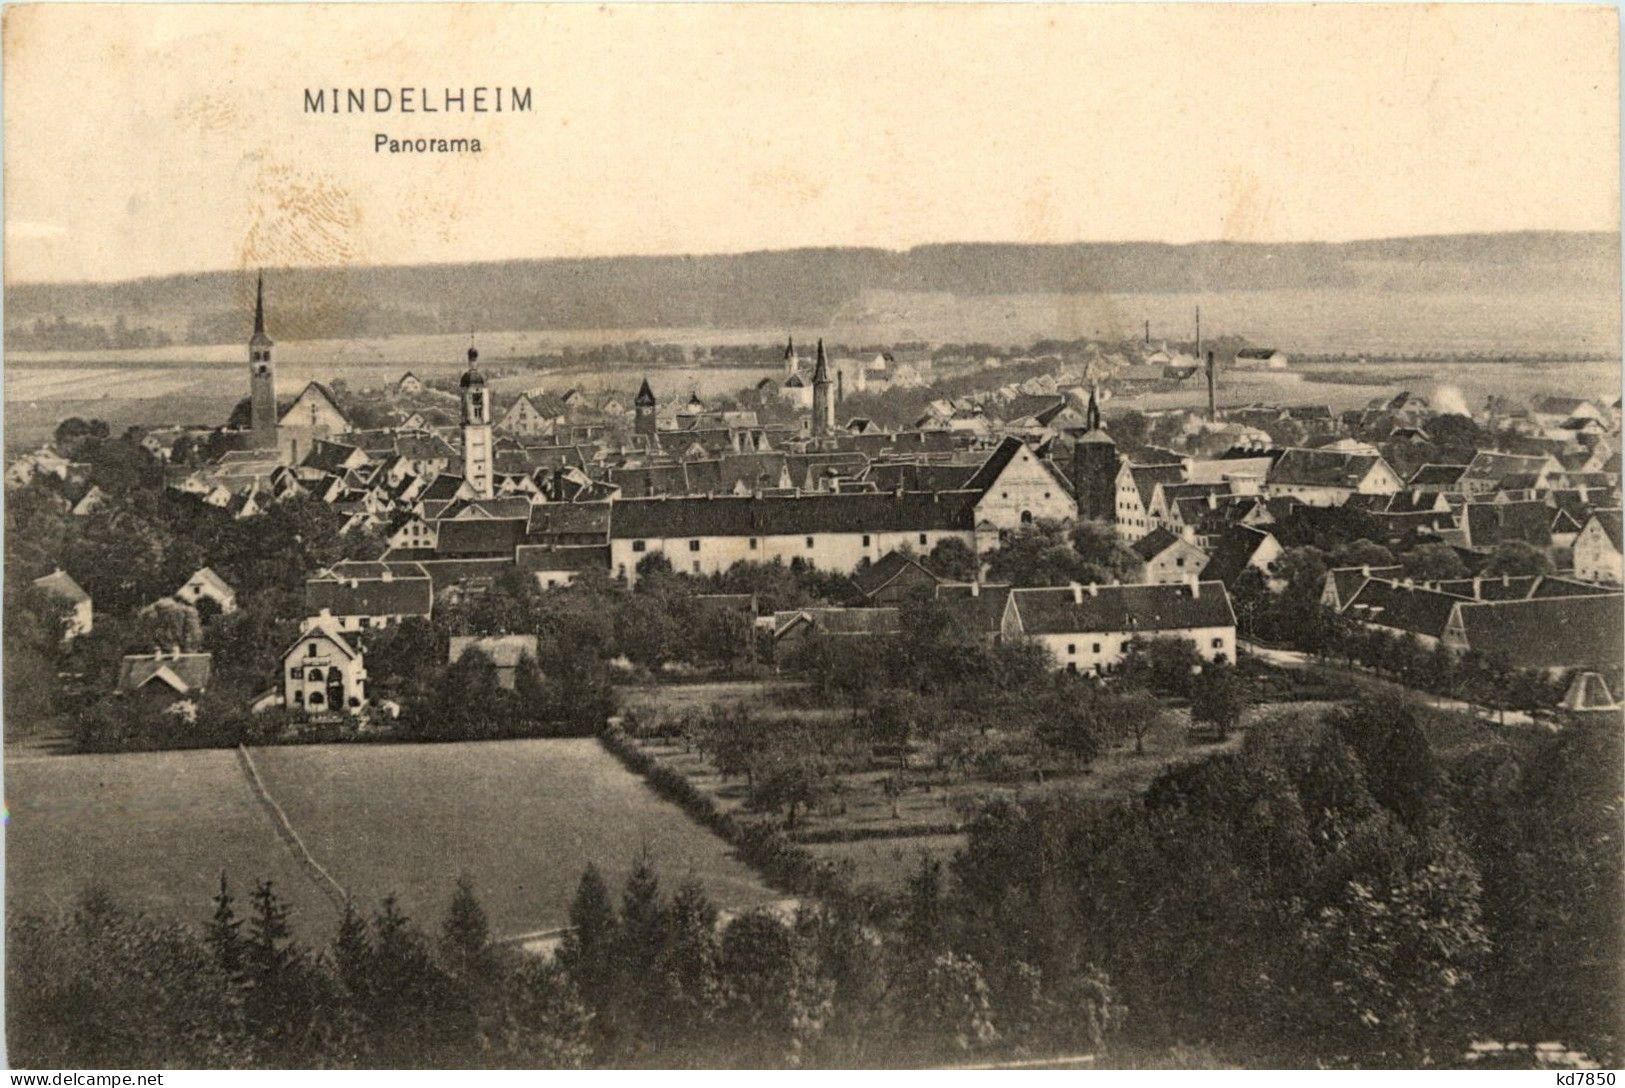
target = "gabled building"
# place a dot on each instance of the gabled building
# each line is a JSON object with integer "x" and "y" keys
{"x": 524, "y": 419}
{"x": 894, "y": 578}
{"x": 206, "y": 584}
{"x": 1087, "y": 628}
{"x": 324, "y": 672}
{"x": 1018, "y": 487}
{"x": 59, "y": 586}
{"x": 1597, "y": 552}
{"x": 1323, "y": 477}
{"x": 166, "y": 676}
{"x": 1136, "y": 486}
{"x": 313, "y": 416}
{"x": 1167, "y": 558}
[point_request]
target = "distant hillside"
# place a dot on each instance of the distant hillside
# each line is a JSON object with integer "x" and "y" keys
{"x": 772, "y": 290}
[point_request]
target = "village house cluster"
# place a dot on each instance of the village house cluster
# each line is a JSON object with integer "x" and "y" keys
{"x": 553, "y": 485}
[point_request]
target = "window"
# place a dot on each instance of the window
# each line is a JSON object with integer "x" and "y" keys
{"x": 922, "y": 540}
{"x": 310, "y": 650}
{"x": 638, "y": 545}
{"x": 316, "y": 698}
{"x": 693, "y": 545}
{"x": 1004, "y": 494}
{"x": 752, "y": 543}
{"x": 1218, "y": 644}
{"x": 809, "y": 542}
{"x": 865, "y": 540}
{"x": 1095, "y": 649}
{"x": 314, "y": 675}
{"x": 1180, "y": 562}
{"x": 299, "y": 697}
{"x": 696, "y": 566}
{"x": 1072, "y": 647}
{"x": 296, "y": 673}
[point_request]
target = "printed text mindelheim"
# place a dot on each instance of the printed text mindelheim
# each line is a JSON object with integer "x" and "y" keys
{"x": 417, "y": 100}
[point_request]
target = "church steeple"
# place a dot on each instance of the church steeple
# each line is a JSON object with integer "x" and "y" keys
{"x": 823, "y": 407}
{"x": 262, "y": 416}
{"x": 478, "y": 454}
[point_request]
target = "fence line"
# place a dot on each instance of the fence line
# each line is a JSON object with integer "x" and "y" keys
{"x": 284, "y": 829}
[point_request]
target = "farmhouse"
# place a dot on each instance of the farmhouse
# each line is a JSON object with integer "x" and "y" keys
{"x": 168, "y": 677}
{"x": 1086, "y": 628}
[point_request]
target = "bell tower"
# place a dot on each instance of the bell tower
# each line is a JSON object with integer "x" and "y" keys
{"x": 643, "y": 411}
{"x": 477, "y": 449}
{"x": 261, "y": 379}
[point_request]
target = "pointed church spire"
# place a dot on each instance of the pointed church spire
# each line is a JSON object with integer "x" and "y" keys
{"x": 645, "y": 394}
{"x": 259, "y": 305}
{"x": 1092, "y": 417}
{"x": 821, "y": 370}
{"x": 790, "y": 348}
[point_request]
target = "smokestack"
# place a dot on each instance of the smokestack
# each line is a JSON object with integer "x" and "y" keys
{"x": 1198, "y": 334}
{"x": 1148, "y": 332}
{"x": 1212, "y": 402}
{"x": 840, "y": 387}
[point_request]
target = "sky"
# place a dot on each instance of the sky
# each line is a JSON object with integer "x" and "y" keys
{"x": 152, "y": 139}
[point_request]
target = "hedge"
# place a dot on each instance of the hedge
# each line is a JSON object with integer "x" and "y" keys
{"x": 765, "y": 848}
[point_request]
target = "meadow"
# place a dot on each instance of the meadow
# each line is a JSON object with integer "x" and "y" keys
{"x": 521, "y": 818}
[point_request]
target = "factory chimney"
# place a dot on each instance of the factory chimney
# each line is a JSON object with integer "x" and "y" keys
{"x": 1212, "y": 403}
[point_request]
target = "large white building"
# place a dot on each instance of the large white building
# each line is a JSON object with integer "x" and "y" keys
{"x": 323, "y": 672}
{"x": 1086, "y": 628}
{"x": 833, "y": 532}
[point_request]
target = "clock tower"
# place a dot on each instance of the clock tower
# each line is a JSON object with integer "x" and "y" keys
{"x": 477, "y": 451}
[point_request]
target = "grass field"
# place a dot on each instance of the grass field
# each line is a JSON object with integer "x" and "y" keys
{"x": 156, "y": 829}
{"x": 522, "y": 818}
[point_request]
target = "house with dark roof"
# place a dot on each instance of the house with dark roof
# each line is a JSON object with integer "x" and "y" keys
{"x": 1342, "y": 583}
{"x": 1326, "y": 477}
{"x": 357, "y": 594}
{"x": 1241, "y": 548}
{"x": 1167, "y": 558}
{"x": 1403, "y": 607}
{"x": 1487, "y": 524}
{"x": 895, "y": 577}
{"x": 1597, "y": 553}
{"x": 59, "y": 586}
{"x": 1019, "y": 488}
{"x": 830, "y": 531}
{"x": 792, "y": 629}
{"x": 169, "y": 676}
{"x": 1550, "y": 634}
{"x": 1087, "y": 628}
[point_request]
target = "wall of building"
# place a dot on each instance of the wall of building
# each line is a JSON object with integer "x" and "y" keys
{"x": 1595, "y": 559}
{"x": 1091, "y": 651}
{"x": 1025, "y": 491}
{"x": 1173, "y": 565}
{"x": 838, "y": 552}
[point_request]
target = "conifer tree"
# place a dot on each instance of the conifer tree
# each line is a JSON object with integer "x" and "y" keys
{"x": 223, "y": 935}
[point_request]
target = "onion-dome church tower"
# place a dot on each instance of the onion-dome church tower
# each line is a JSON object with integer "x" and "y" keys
{"x": 261, "y": 379}
{"x": 477, "y": 447}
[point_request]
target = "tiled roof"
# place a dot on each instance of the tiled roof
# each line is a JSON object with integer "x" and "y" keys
{"x": 505, "y": 651}
{"x": 839, "y": 621}
{"x": 975, "y": 606}
{"x": 180, "y": 672}
{"x": 1413, "y": 608}
{"x": 1234, "y": 553}
{"x": 1347, "y": 581}
{"x": 1608, "y": 519}
{"x": 559, "y": 518}
{"x": 1322, "y": 468}
{"x": 58, "y": 584}
{"x": 891, "y": 475}
{"x": 1153, "y": 544}
{"x": 478, "y": 536}
{"x": 1492, "y": 523}
{"x": 1147, "y": 477}
{"x": 877, "y": 575}
{"x": 360, "y": 589}
{"x": 1147, "y": 608}
{"x": 770, "y": 516}
{"x": 1554, "y": 632}
{"x": 537, "y": 557}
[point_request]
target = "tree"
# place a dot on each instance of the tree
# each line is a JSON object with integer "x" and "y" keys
{"x": 1516, "y": 558}
{"x": 953, "y": 559}
{"x": 588, "y": 952}
{"x": 465, "y": 934}
{"x": 1217, "y": 697}
{"x": 1436, "y": 562}
{"x": 775, "y": 1004}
